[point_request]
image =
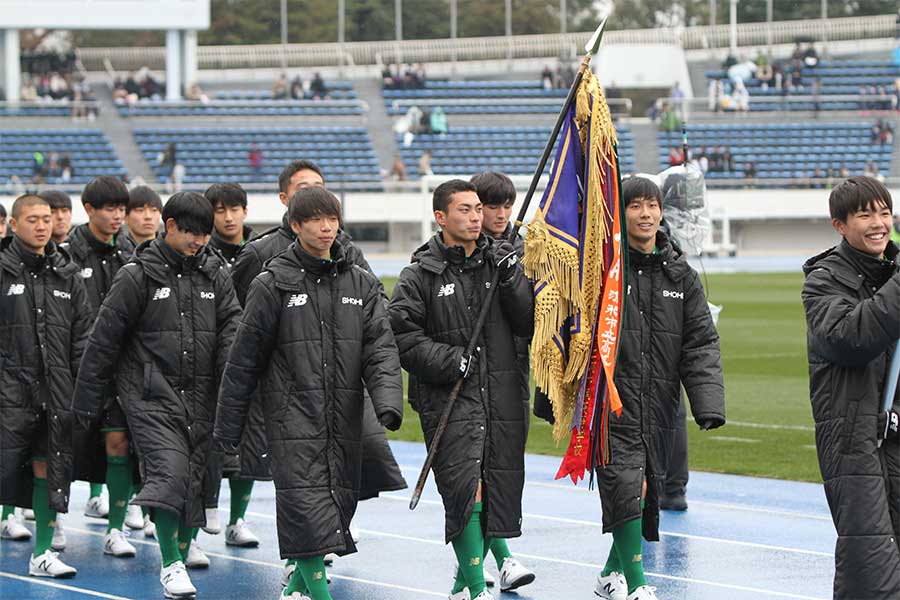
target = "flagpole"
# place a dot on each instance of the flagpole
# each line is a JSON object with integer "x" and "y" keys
{"x": 591, "y": 48}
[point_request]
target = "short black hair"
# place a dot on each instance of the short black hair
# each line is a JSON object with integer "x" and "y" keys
{"x": 494, "y": 188}
{"x": 191, "y": 212}
{"x": 2, "y": 211}
{"x": 310, "y": 202}
{"x": 444, "y": 192}
{"x": 640, "y": 187}
{"x": 57, "y": 199}
{"x": 141, "y": 196}
{"x": 229, "y": 194}
{"x": 26, "y": 200}
{"x": 284, "y": 180}
{"x": 856, "y": 194}
{"x": 105, "y": 190}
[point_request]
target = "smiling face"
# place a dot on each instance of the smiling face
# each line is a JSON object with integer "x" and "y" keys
{"x": 643, "y": 216}
{"x": 867, "y": 230}
{"x": 317, "y": 234}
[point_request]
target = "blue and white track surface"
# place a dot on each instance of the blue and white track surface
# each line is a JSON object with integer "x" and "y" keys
{"x": 741, "y": 539}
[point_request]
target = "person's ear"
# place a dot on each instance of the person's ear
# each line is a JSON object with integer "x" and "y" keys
{"x": 440, "y": 217}
{"x": 295, "y": 227}
{"x": 839, "y": 226}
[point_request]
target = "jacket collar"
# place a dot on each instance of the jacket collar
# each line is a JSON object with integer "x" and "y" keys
{"x": 15, "y": 258}
{"x": 875, "y": 271}
{"x": 291, "y": 266}
{"x": 435, "y": 255}
{"x": 159, "y": 260}
{"x": 669, "y": 257}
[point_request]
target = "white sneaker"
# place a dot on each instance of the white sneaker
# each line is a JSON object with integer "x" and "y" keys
{"x": 58, "y": 542}
{"x": 27, "y": 514}
{"x": 463, "y": 595}
{"x": 287, "y": 574}
{"x": 115, "y": 543}
{"x": 645, "y": 592}
{"x": 149, "y": 527}
{"x": 97, "y": 507}
{"x": 354, "y": 532}
{"x": 213, "y": 525}
{"x": 134, "y": 518}
{"x": 484, "y": 595}
{"x": 294, "y": 596}
{"x": 176, "y": 582}
{"x": 611, "y": 587}
{"x": 489, "y": 578}
{"x": 196, "y": 558}
{"x": 12, "y": 529}
{"x": 329, "y": 559}
{"x": 240, "y": 535}
{"x": 48, "y": 564}
{"x": 514, "y": 575}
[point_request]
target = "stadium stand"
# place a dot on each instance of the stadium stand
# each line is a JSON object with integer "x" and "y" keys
{"x": 784, "y": 150}
{"x": 481, "y": 97}
{"x": 216, "y": 155}
{"x": 90, "y": 151}
{"x": 836, "y": 78}
{"x": 513, "y": 150}
{"x": 337, "y": 90}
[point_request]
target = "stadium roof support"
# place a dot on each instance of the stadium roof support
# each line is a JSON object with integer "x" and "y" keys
{"x": 12, "y": 75}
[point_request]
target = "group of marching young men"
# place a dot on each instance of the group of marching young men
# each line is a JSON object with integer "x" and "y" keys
{"x": 157, "y": 363}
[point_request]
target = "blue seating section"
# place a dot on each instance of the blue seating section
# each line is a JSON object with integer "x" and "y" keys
{"x": 337, "y": 90}
{"x": 837, "y": 78}
{"x": 91, "y": 152}
{"x": 512, "y": 150}
{"x": 785, "y": 151}
{"x": 237, "y": 108}
{"x": 495, "y": 96}
{"x": 212, "y": 155}
{"x": 43, "y": 110}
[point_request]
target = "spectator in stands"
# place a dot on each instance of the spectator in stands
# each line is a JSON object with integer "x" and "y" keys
{"x": 297, "y": 91}
{"x": 53, "y": 170}
{"x": 317, "y": 88}
{"x": 195, "y": 94}
{"x": 844, "y": 173}
{"x": 668, "y": 120}
{"x": 749, "y": 170}
{"x": 811, "y": 57}
{"x": 167, "y": 160}
{"x": 280, "y": 89}
{"x": 387, "y": 78}
{"x": 132, "y": 88}
{"x": 882, "y": 133}
{"x": 740, "y": 97}
{"x": 255, "y": 159}
{"x": 38, "y": 167}
{"x": 727, "y": 159}
{"x": 715, "y": 91}
{"x": 742, "y": 72}
{"x": 676, "y": 97}
{"x": 419, "y": 75}
{"x": 547, "y": 78}
{"x": 67, "y": 171}
{"x": 29, "y": 91}
{"x": 871, "y": 170}
{"x": 438, "y": 121}
{"x": 895, "y": 55}
{"x": 729, "y": 62}
{"x": 398, "y": 169}
{"x": 676, "y": 156}
{"x": 702, "y": 159}
{"x": 817, "y": 177}
{"x": 425, "y": 164}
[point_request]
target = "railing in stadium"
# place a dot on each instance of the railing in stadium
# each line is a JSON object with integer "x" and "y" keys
{"x": 493, "y": 48}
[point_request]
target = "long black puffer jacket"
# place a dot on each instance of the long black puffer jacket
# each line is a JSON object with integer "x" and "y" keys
{"x": 44, "y": 323}
{"x": 852, "y": 304}
{"x": 161, "y": 341}
{"x": 311, "y": 332}
{"x": 380, "y": 470}
{"x": 668, "y": 340}
{"x": 99, "y": 262}
{"x": 434, "y": 307}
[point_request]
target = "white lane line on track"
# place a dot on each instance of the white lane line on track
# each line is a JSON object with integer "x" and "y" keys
{"x": 60, "y": 586}
{"x": 774, "y": 426}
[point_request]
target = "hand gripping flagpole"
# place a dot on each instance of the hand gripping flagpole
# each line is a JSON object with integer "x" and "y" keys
{"x": 591, "y": 48}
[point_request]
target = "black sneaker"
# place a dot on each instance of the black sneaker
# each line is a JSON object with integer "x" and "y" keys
{"x": 673, "y": 502}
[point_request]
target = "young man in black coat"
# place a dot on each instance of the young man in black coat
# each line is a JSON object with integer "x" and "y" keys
{"x": 497, "y": 193}
{"x": 480, "y": 465}
{"x": 61, "y": 211}
{"x": 314, "y": 328}
{"x": 230, "y": 235}
{"x": 100, "y": 248}
{"x": 142, "y": 214}
{"x": 852, "y": 301}
{"x": 44, "y": 322}
{"x": 159, "y": 346}
{"x": 668, "y": 340}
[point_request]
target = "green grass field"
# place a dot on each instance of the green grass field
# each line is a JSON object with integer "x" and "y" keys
{"x": 769, "y": 431}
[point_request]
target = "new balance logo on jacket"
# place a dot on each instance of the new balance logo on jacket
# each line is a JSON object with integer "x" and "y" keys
{"x": 161, "y": 293}
{"x": 447, "y": 290}
{"x": 297, "y": 300}
{"x": 16, "y": 289}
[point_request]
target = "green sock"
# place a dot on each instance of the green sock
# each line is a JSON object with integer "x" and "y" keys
{"x": 500, "y": 551}
{"x": 240, "y": 498}
{"x": 313, "y": 571}
{"x": 627, "y": 539}
{"x": 613, "y": 564}
{"x": 167, "y": 535}
{"x": 297, "y": 583}
{"x": 186, "y": 535}
{"x": 7, "y": 512}
{"x": 118, "y": 481}
{"x": 44, "y": 518}
{"x": 96, "y": 490}
{"x": 470, "y": 551}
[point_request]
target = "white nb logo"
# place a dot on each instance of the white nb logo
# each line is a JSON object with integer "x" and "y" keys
{"x": 297, "y": 300}
{"x": 668, "y": 294}
{"x": 447, "y": 290}
{"x": 87, "y": 273}
{"x": 208, "y": 295}
{"x": 354, "y": 301}
{"x": 16, "y": 289}
{"x": 161, "y": 293}
{"x": 61, "y": 294}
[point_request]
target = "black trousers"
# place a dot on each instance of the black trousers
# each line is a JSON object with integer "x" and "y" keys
{"x": 677, "y": 473}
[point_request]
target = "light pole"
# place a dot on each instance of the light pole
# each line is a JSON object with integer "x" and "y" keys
{"x": 453, "y": 33}
{"x": 398, "y": 28}
{"x": 341, "y": 10}
{"x": 284, "y": 34}
{"x": 734, "y": 4}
